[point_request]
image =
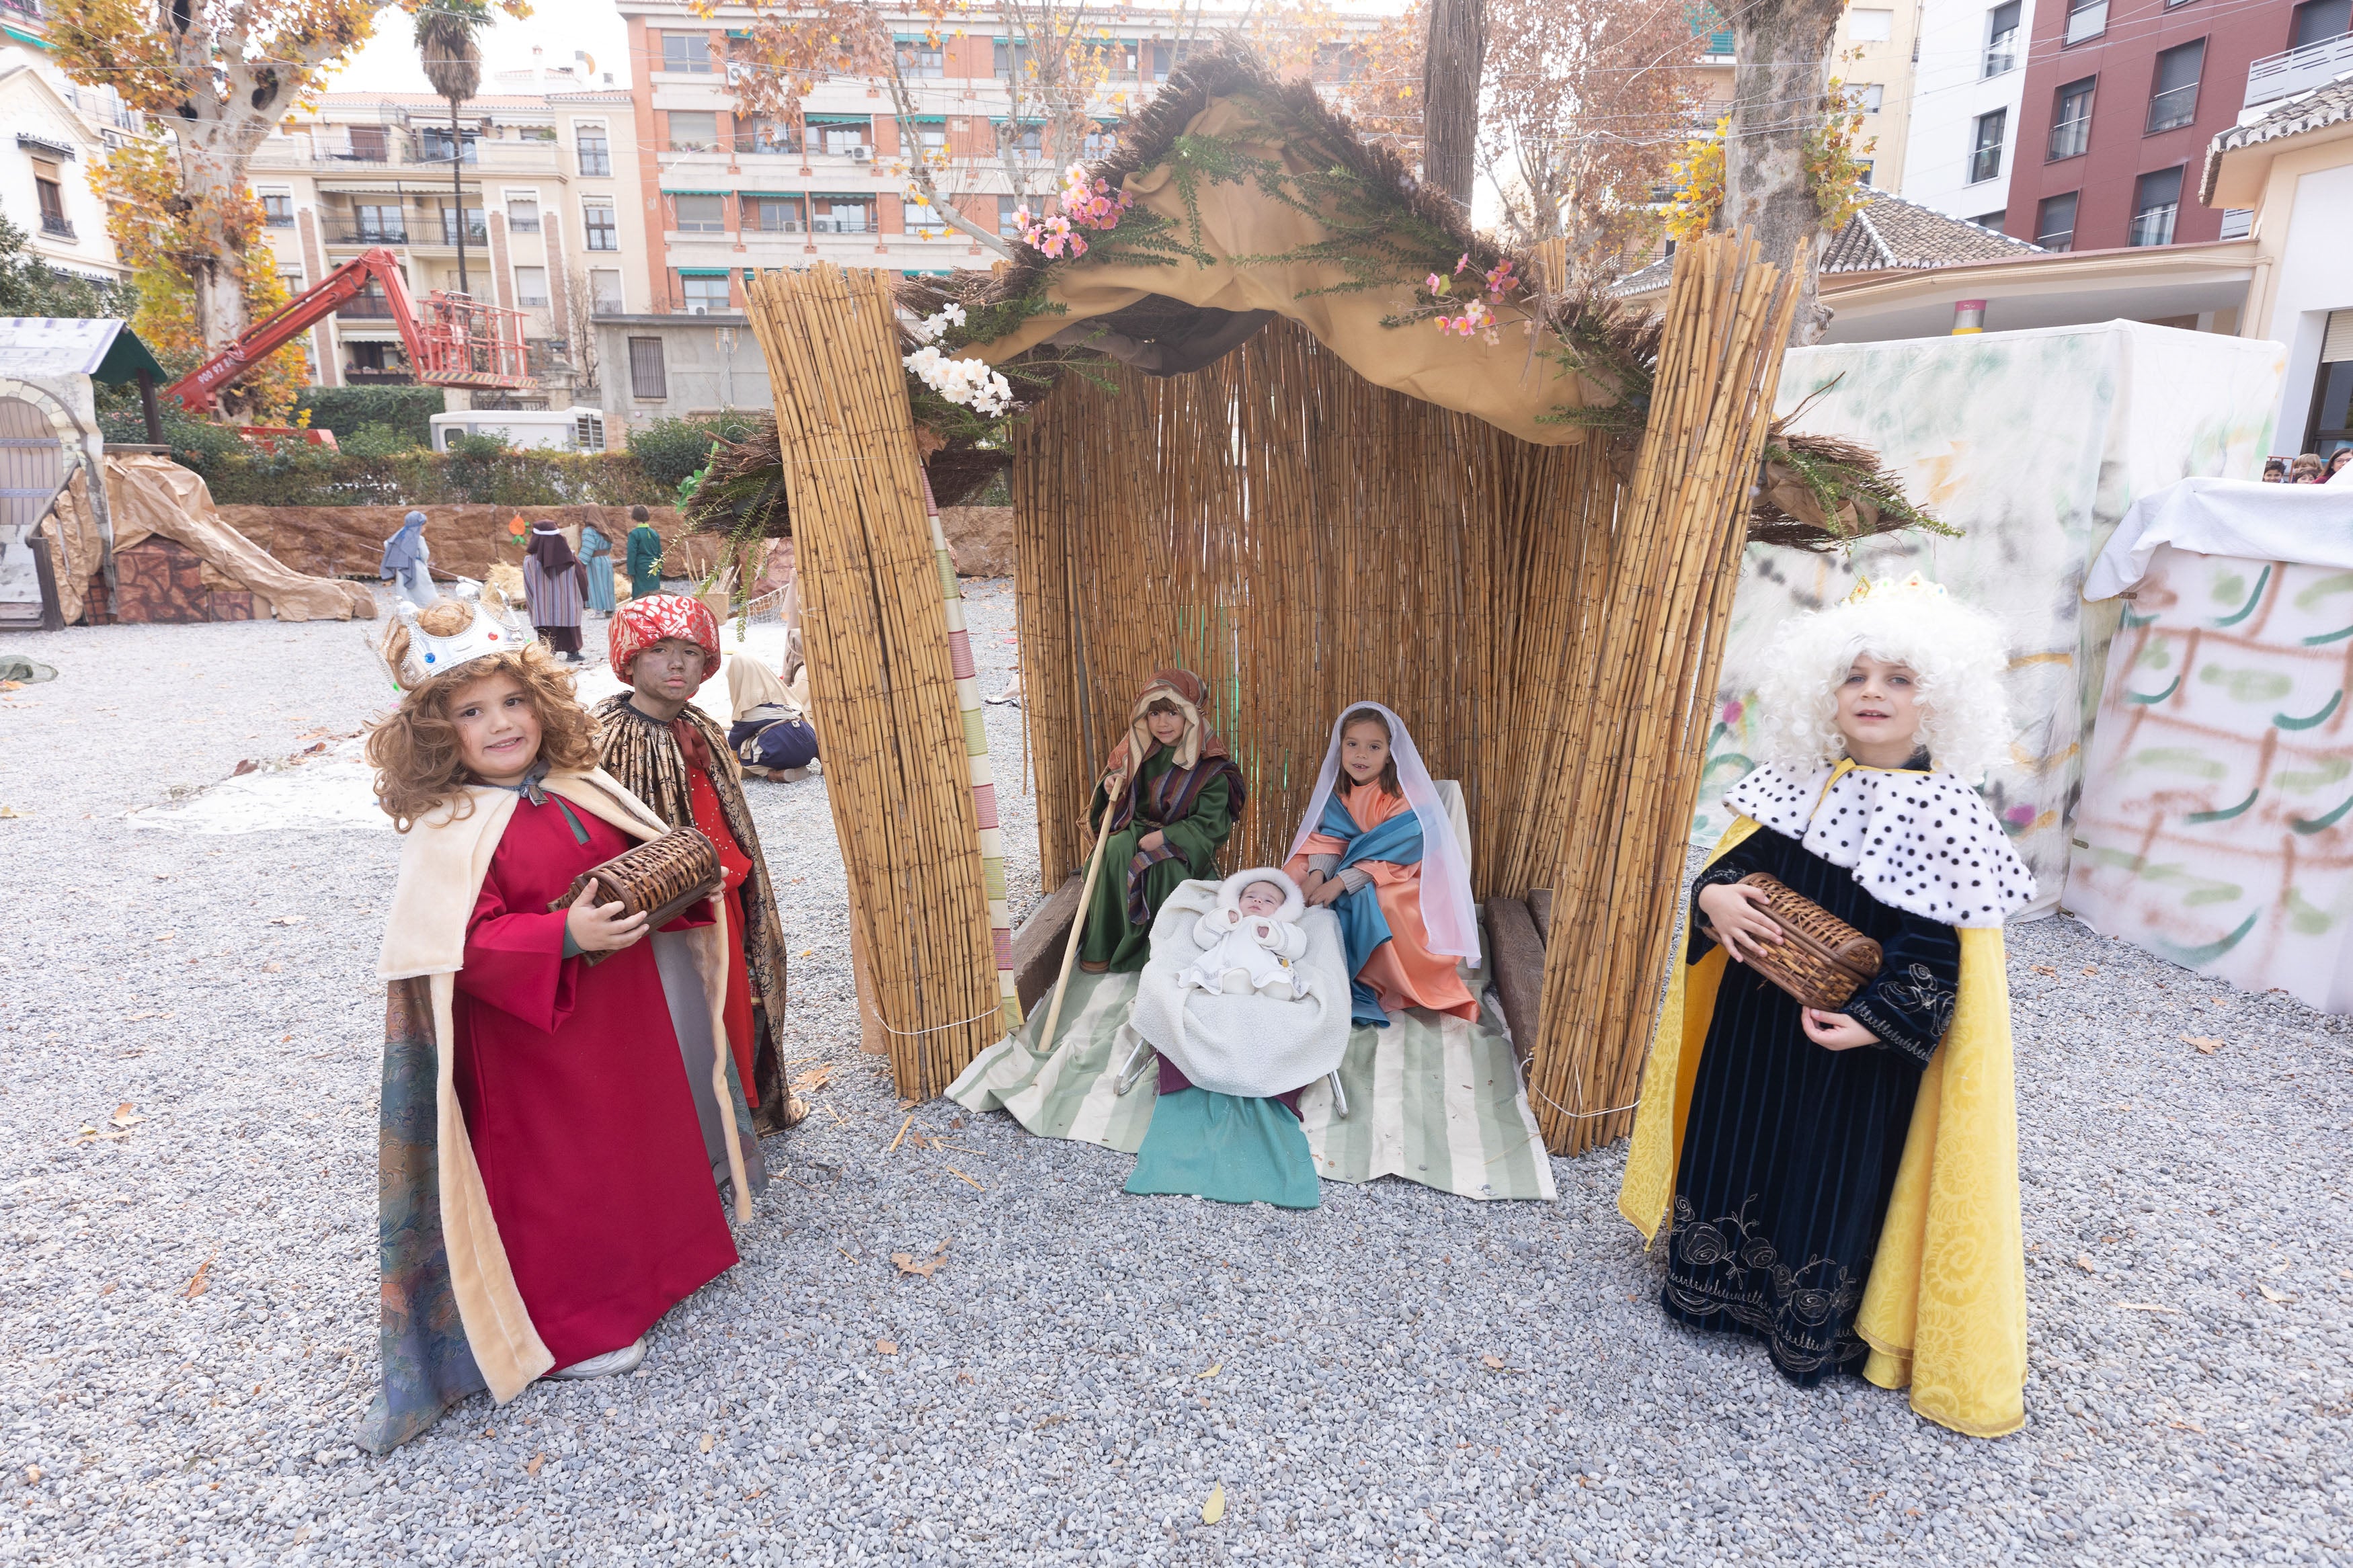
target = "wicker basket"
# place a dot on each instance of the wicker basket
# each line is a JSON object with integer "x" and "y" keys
{"x": 1821, "y": 960}
{"x": 659, "y": 879}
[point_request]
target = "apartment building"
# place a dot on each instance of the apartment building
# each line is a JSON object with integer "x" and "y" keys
{"x": 1873, "y": 53}
{"x": 56, "y": 134}
{"x": 540, "y": 182}
{"x": 2122, "y": 97}
{"x": 1967, "y": 85}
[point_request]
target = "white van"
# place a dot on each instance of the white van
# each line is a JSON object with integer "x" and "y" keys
{"x": 574, "y": 429}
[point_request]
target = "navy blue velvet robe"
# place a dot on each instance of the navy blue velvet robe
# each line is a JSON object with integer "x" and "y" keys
{"x": 1791, "y": 1151}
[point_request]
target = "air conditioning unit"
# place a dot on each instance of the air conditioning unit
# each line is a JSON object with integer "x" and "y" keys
{"x": 862, "y": 154}
{"x": 737, "y": 70}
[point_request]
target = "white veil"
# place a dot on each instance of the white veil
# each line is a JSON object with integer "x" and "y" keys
{"x": 1447, "y": 909}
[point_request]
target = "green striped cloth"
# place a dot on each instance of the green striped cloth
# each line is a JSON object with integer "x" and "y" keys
{"x": 1432, "y": 1098}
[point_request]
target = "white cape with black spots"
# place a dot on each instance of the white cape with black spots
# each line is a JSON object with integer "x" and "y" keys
{"x": 1925, "y": 843}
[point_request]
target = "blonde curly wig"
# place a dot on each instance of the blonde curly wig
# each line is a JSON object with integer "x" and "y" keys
{"x": 1955, "y": 651}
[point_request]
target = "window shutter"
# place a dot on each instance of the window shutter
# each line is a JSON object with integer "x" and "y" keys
{"x": 647, "y": 377}
{"x": 2337, "y": 346}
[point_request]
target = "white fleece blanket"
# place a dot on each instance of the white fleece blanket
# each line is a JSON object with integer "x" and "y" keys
{"x": 1247, "y": 1043}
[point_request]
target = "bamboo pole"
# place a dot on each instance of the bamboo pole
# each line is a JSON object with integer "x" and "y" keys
{"x": 1077, "y": 932}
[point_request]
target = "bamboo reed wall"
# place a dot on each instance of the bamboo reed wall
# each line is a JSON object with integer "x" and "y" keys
{"x": 877, "y": 637}
{"x": 1548, "y": 627}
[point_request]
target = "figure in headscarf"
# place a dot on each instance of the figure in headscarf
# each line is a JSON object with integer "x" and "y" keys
{"x": 675, "y": 757}
{"x": 645, "y": 556}
{"x": 552, "y": 582}
{"x": 597, "y": 558}
{"x": 1377, "y": 849}
{"x": 407, "y": 562}
{"x": 770, "y": 736}
{"x": 1168, "y": 798}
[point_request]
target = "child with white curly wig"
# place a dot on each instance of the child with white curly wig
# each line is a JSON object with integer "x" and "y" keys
{"x": 1800, "y": 1148}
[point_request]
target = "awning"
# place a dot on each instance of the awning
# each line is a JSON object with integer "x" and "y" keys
{"x": 703, "y": 272}
{"x": 690, "y": 191}
{"x": 843, "y": 196}
{"x": 769, "y": 195}
{"x": 861, "y": 121}
{"x": 24, "y": 37}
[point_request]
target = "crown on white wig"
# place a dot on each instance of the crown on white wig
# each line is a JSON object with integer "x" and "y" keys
{"x": 426, "y": 655}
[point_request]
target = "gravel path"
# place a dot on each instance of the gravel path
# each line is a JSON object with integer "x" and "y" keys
{"x": 188, "y": 1303}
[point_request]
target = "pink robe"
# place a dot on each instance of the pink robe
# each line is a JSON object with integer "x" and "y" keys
{"x": 1402, "y": 970}
{"x": 577, "y": 1104}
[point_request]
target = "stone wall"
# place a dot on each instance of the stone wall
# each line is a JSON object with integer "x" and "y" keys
{"x": 348, "y": 541}
{"x": 980, "y": 539}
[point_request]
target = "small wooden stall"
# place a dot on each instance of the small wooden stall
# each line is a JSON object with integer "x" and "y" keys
{"x": 1251, "y": 448}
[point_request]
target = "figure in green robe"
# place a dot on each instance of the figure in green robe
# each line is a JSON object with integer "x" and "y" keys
{"x": 645, "y": 556}
{"x": 1169, "y": 814}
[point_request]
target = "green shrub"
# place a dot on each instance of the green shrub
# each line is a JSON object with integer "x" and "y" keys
{"x": 378, "y": 441}
{"x": 312, "y": 475}
{"x": 194, "y": 442}
{"x": 671, "y": 450}
{"x": 346, "y": 410}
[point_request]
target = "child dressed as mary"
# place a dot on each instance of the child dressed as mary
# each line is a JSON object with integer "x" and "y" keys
{"x": 1376, "y": 848}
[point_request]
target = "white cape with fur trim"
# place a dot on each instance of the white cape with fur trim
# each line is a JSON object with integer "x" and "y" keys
{"x": 442, "y": 864}
{"x": 1922, "y": 842}
{"x": 1242, "y": 1044}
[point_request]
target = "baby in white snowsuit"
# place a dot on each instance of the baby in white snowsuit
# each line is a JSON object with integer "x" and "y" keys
{"x": 1252, "y": 939}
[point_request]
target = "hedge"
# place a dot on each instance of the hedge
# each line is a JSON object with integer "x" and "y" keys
{"x": 310, "y": 475}
{"x": 344, "y": 409}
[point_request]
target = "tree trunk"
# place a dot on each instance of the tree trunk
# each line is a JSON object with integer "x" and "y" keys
{"x": 1778, "y": 95}
{"x": 1451, "y": 67}
{"x": 457, "y": 188}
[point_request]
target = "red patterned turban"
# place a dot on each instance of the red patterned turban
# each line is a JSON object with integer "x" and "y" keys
{"x": 642, "y": 623}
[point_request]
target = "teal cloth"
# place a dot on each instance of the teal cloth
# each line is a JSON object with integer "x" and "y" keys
{"x": 1225, "y": 1147}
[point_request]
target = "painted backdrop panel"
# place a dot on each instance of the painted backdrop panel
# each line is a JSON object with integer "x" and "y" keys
{"x": 2034, "y": 444}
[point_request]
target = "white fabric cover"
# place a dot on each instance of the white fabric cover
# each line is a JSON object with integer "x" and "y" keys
{"x": 2311, "y": 524}
{"x": 1923, "y": 843}
{"x": 1243, "y": 1043}
{"x": 1448, "y": 911}
{"x": 1251, "y": 946}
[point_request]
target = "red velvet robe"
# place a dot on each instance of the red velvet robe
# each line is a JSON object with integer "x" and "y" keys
{"x": 577, "y": 1104}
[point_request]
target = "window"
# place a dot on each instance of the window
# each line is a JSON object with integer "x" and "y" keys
{"x": 773, "y": 214}
{"x": 2055, "y": 223}
{"x": 531, "y": 286}
{"x": 477, "y": 230}
{"x": 370, "y": 303}
{"x": 2071, "y": 119}
{"x": 1866, "y": 96}
{"x": 49, "y": 183}
{"x": 1862, "y": 171}
{"x": 1100, "y": 142}
{"x": 2318, "y": 21}
{"x": 706, "y": 294}
{"x": 1992, "y": 220}
{"x": 839, "y": 138}
{"x": 688, "y": 52}
{"x": 278, "y": 210}
{"x": 648, "y": 380}
{"x": 1869, "y": 26}
{"x": 379, "y": 223}
{"x": 1029, "y": 139}
{"x": 2086, "y": 20}
{"x": 843, "y": 214}
{"x": 2330, "y": 424}
{"x": 596, "y": 153}
{"x": 367, "y": 143}
{"x": 919, "y": 58}
{"x": 1985, "y": 147}
{"x": 2157, "y": 197}
{"x": 2173, "y": 94}
{"x": 698, "y": 212}
{"x": 765, "y": 136}
{"x": 605, "y": 296}
{"x": 1167, "y": 58}
{"x": 433, "y": 145}
{"x": 2001, "y": 38}
{"x": 1008, "y": 226}
{"x": 1334, "y": 63}
{"x": 693, "y": 130}
{"x": 523, "y": 215}
{"x": 1010, "y": 59}
{"x": 2238, "y": 222}
{"x": 931, "y": 136}
{"x": 597, "y": 218}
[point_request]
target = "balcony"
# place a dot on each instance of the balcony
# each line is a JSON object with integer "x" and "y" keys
{"x": 2069, "y": 138}
{"x": 57, "y": 227}
{"x": 2086, "y": 21}
{"x": 366, "y": 234}
{"x": 596, "y": 162}
{"x": 2153, "y": 226}
{"x": 2315, "y": 65}
{"x": 2002, "y": 55}
{"x": 104, "y": 109}
{"x": 2172, "y": 109}
{"x": 1985, "y": 164}
{"x": 361, "y": 376}
{"x": 366, "y": 307}
{"x": 28, "y": 10}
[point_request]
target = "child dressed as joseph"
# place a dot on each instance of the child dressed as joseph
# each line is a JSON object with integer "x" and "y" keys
{"x": 1168, "y": 798}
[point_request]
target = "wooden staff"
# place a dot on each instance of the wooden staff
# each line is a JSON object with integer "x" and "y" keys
{"x": 1079, "y": 921}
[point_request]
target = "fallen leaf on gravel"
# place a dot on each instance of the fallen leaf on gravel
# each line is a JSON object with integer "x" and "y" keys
{"x": 2148, "y": 1306}
{"x": 136, "y": 1016}
{"x": 285, "y": 920}
{"x": 805, "y": 951}
{"x": 2044, "y": 969}
{"x": 1215, "y": 1509}
{"x": 2091, "y": 969}
{"x": 10, "y": 812}
{"x": 816, "y": 1078}
{"x": 168, "y": 936}
{"x": 886, "y": 1347}
{"x": 272, "y": 968}
{"x": 2207, "y": 1044}
{"x": 1492, "y": 1363}
{"x": 2084, "y": 1262}
{"x": 706, "y": 1443}
{"x": 32, "y": 1474}
{"x": 531, "y": 1466}
{"x": 2269, "y": 1294}
{"x": 908, "y": 1264}
{"x": 108, "y": 1288}
{"x": 245, "y": 767}
{"x": 1215, "y": 1368}
{"x": 196, "y": 1281}
{"x": 126, "y": 1117}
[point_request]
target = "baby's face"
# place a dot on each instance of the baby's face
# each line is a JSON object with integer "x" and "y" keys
{"x": 1261, "y": 899}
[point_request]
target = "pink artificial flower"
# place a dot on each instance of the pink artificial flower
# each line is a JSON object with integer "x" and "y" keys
{"x": 1435, "y": 282}
{"x": 1078, "y": 246}
{"x": 1463, "y": 263}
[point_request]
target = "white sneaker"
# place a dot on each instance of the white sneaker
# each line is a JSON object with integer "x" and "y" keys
{"x": 612, "y": 1364}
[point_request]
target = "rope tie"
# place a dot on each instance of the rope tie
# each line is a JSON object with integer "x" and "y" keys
{"x": 876, "y": 1014}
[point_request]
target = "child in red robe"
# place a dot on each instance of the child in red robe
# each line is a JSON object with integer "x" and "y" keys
{"x": 544, "y": 1193}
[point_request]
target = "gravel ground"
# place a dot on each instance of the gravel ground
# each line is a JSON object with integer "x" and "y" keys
{"x": 188, "y": 1303}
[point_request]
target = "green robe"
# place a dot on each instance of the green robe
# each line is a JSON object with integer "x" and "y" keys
{"x": 645, "y": 560}
{"x": 1196, "y": 837}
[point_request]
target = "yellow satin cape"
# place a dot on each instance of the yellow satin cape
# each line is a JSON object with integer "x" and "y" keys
{"x": 1944, "y": 1310}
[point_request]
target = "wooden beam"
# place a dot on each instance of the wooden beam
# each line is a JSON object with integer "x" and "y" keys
{"x": 1518, "y": 954}
{"x": 1038, "y": 944}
